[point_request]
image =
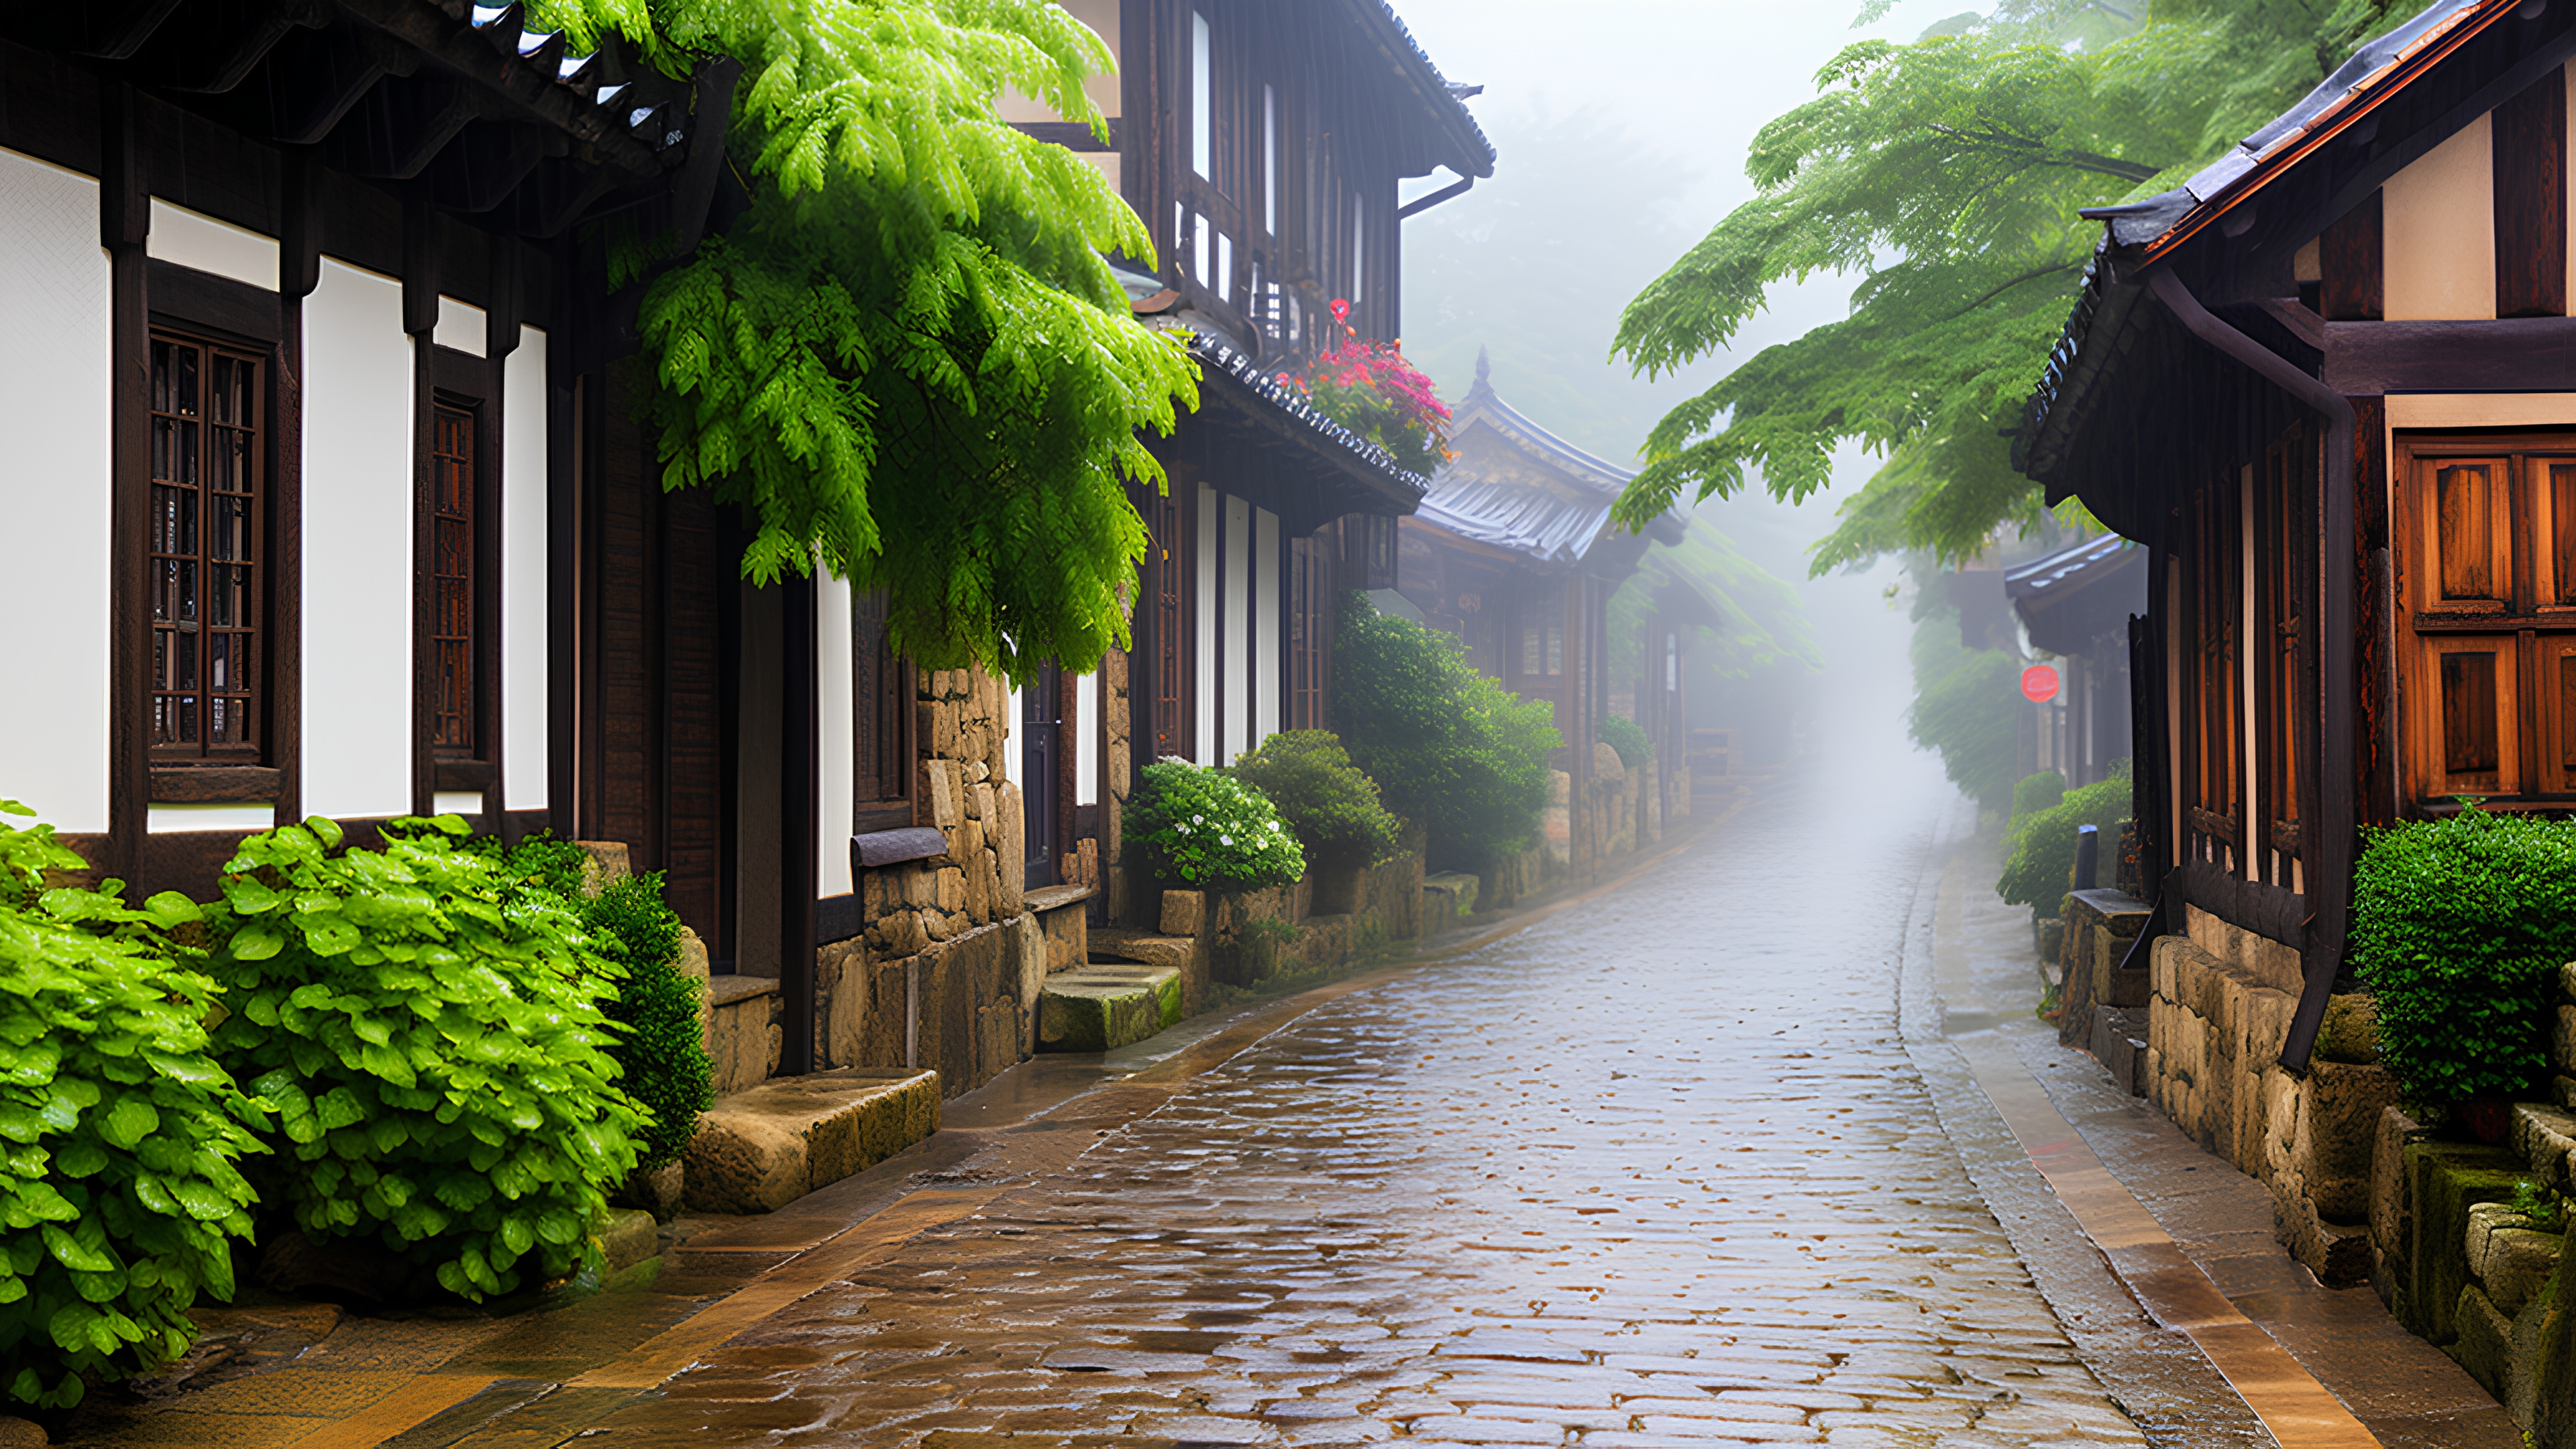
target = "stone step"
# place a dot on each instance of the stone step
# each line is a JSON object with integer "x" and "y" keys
{"x": 1107, "y": 1005}
{"x": 759, "y": 1150}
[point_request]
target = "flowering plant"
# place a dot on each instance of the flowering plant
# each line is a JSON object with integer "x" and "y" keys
{"x": 1209, "y": 829}
{"x": 1370, "y": 389}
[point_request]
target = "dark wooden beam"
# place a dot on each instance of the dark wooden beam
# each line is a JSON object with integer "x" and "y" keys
{"x": 539, "y": 94}
{"x": 317, "y": 75}
{"x": 1071, "y": 135}
{"x": 485, "y": 164}
{"x": 2530, "y": 161}
{"x": 2515, "y": 354}
{"x": 215, "y": 43}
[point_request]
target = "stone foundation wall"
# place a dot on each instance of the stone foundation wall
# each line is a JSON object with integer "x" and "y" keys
{"x": 2222, "y": 1004}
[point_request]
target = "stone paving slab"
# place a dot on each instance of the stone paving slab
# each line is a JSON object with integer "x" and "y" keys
{"x": 758, "y": 1151}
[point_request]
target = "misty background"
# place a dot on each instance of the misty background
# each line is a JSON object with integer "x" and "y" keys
{"x": 1621, "y": 131}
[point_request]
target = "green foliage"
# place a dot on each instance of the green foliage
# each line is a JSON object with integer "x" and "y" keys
{"x": 1209, "y": 829}
{"x": 2546, "y": 1209}
{"x": 661, "y": 1054}
{"x": 910, "y": 357}
{"x": 2042, "y": 842}
{"x": 1622, "y": 735}
{"x": 1329, "y": 803}
{"x": 1945, "y": 176}
{"x": 119, "y": 1194}
{"x": 431, "y": 1034}
{"x": 1966, "y": 702}
{"x": 1452, "y": 749}
{"x": 2459, "y": 926}
{"x": 2034, "y": 793}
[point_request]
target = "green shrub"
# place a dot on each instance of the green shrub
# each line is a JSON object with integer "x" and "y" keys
{"x": 2035, "y": 793}
{"x": 2458, "y": 928}
{"x": 433, "y": 1041}
{"x": 1330, "y": 804}
{"x": 1452, "y": 749}
{"x": 2040, "y": 869}
{"x": 661, "y": 1053}
{"x": 119, "y": 1197}
{"x": 1210, "y": 830}
{"x": 1622, "y": 735}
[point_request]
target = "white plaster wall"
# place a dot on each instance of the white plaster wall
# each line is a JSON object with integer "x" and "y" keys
{"x": 1238, "y": 630}
{"x": 1266, "y": 626}
{"x": 2438, "y": 229}
{"x": 526, "y": 660}
{"x": 194, "y": 239}
{"x": 357, "y": 545}
{"x": 1205, "y": 734}
{"x": 178, "y": 819}
{"x": 1086, "y": 739}
{"x": 462, "y": 326}
{"x": 53, "y": 406}
{"x": 837, "y": 730}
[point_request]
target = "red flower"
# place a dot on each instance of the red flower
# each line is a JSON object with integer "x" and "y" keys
{"x": 1341, "y": 310}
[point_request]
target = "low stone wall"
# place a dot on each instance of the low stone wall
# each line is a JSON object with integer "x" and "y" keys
{"x": 2222, "y": 1004}
{"x": 2097, "y": 997}
{"x": 964, "y": 1007}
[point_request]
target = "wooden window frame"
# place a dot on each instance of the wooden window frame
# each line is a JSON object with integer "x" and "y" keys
{"x": 202, "y": 559}
{"x": 2285, "y": 702}
{"x": 2521, "y": 623}
{"x": 1167, "y": 616}
{"x": 884, "y": 695}
{"x": 181, "y": 302}
{"x": 451, "y": 380}
{"x": 2214, "y": 723}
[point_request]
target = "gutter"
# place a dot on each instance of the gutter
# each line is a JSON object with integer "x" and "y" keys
{"x": 2332, "y": 886}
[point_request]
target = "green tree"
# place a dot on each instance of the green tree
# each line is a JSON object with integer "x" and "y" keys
{"x": 1945, "y": 176}
{"x": 909, "y": 359}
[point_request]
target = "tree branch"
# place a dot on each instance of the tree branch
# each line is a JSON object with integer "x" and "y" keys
{"x": 2050, "y": 155}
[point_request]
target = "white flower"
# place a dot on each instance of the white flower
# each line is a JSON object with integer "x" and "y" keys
{"x": 1198, "y": 820}
{"x": 1225, "y": 840}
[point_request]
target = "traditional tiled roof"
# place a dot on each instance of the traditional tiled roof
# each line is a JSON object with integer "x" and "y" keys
{"x": 1518, "y": 487}
{"x": 1213, "y": 353}
{"x": 1475, "y": 154}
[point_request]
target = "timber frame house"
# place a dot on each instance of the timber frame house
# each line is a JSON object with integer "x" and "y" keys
{"x": 2327, "y": 384}
{"x": 331, "y": 502}
{"x": 1515, "y": 552}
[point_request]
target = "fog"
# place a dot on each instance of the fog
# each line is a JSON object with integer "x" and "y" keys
{"x": 1622, "y": 130}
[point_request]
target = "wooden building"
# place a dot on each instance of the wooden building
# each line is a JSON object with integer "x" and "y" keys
{"x": 331, "y": 502}
{"x": 2327, "y": 385}
{"x": 1264, "y": 141}
{"x": 2075, "y": 603}
{"x": 1515, "y": 552}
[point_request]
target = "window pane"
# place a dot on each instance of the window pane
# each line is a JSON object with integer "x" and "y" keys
{"x": 2466, "y": 530}
{"x": 2469, "y": 713}
{"x": 451, "y": 585}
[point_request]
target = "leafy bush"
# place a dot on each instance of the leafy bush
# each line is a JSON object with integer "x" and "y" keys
{"x": 1451, "y": 748}
{"x": 2042, "y": 866}
{"x": 661, "y": 1052}
{"x": 1209, "y": 829}
{"x": 2035, "y": 793}
{"x": 1330, "y": 804}
{"x": 1624, "y": 736}
{"x": 2458, "y": 928}
{"x": 119, "y": 1194}
{"x": 433, "y": 1041}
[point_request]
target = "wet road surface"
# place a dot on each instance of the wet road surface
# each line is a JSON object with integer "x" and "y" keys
{"x": 1655, "y": 1170}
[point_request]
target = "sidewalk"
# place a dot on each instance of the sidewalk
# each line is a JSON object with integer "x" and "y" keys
{"x": 2202, "y": 1290}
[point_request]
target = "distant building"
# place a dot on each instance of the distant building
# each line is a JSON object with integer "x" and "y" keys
{"x": 1515, "y": 552}
{"x": 2076, "y": 603}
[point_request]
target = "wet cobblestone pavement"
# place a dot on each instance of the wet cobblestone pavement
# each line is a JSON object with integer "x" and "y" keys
{"x": 1656, "y": 1170}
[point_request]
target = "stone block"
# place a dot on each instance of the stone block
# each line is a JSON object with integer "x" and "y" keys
{"x": 2339, "y": 1127}
{"x": 1011, "y": 852}
{"x": 841, "y": 969}
{"x": 2483, "y": 1342}
{"x": 982, "y": 883}
{"x": 2544, "y": 1136}
{"x": 939, "y": 793}
{"x": 2262, "y": 1024}
{"x": 2214, "y": 937}
{"x": 981, "y": 803}
{"x": 737, "y": 1035}
{"x": 2350, "y": 1031}
{"x": 604, "y": 864}
{"x": 2388, "y": 1216}
{"x": 2562, "y": 1038}
{"x": 1448, "y": 898}
{"x": 629, "y": 1237}
{"x": 2272, "y": 964}
{"x": 1034, "y": 948}
{"x": 970, "y": 838}
{"x": 760, "y": 1150}
{"x": 969, "y": 1023}
{"x": 2337, "y": 1253}
{"x": 951, "y": 885}
{"x": 2443, "y": 1181}
{"x": 2119, "y": 1045}
{"x": 1105, "y": 1006}
{"x": 1184, "y": 913}
{"x": 693, "y": 964}
{"x": 2162, "y": 966}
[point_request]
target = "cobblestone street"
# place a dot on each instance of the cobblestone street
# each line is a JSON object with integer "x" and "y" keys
{"x": 1657, "y": 1169}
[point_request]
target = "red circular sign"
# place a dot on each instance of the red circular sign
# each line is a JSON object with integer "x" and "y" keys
{"x": 2039, "y": 682}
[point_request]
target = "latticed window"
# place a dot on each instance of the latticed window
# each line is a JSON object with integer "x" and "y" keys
{"x": 451, "y": 581}
{"x": 1169, "y": 579}
{"x": 204, "y": 537}
{"x": 1309, "y": 595}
